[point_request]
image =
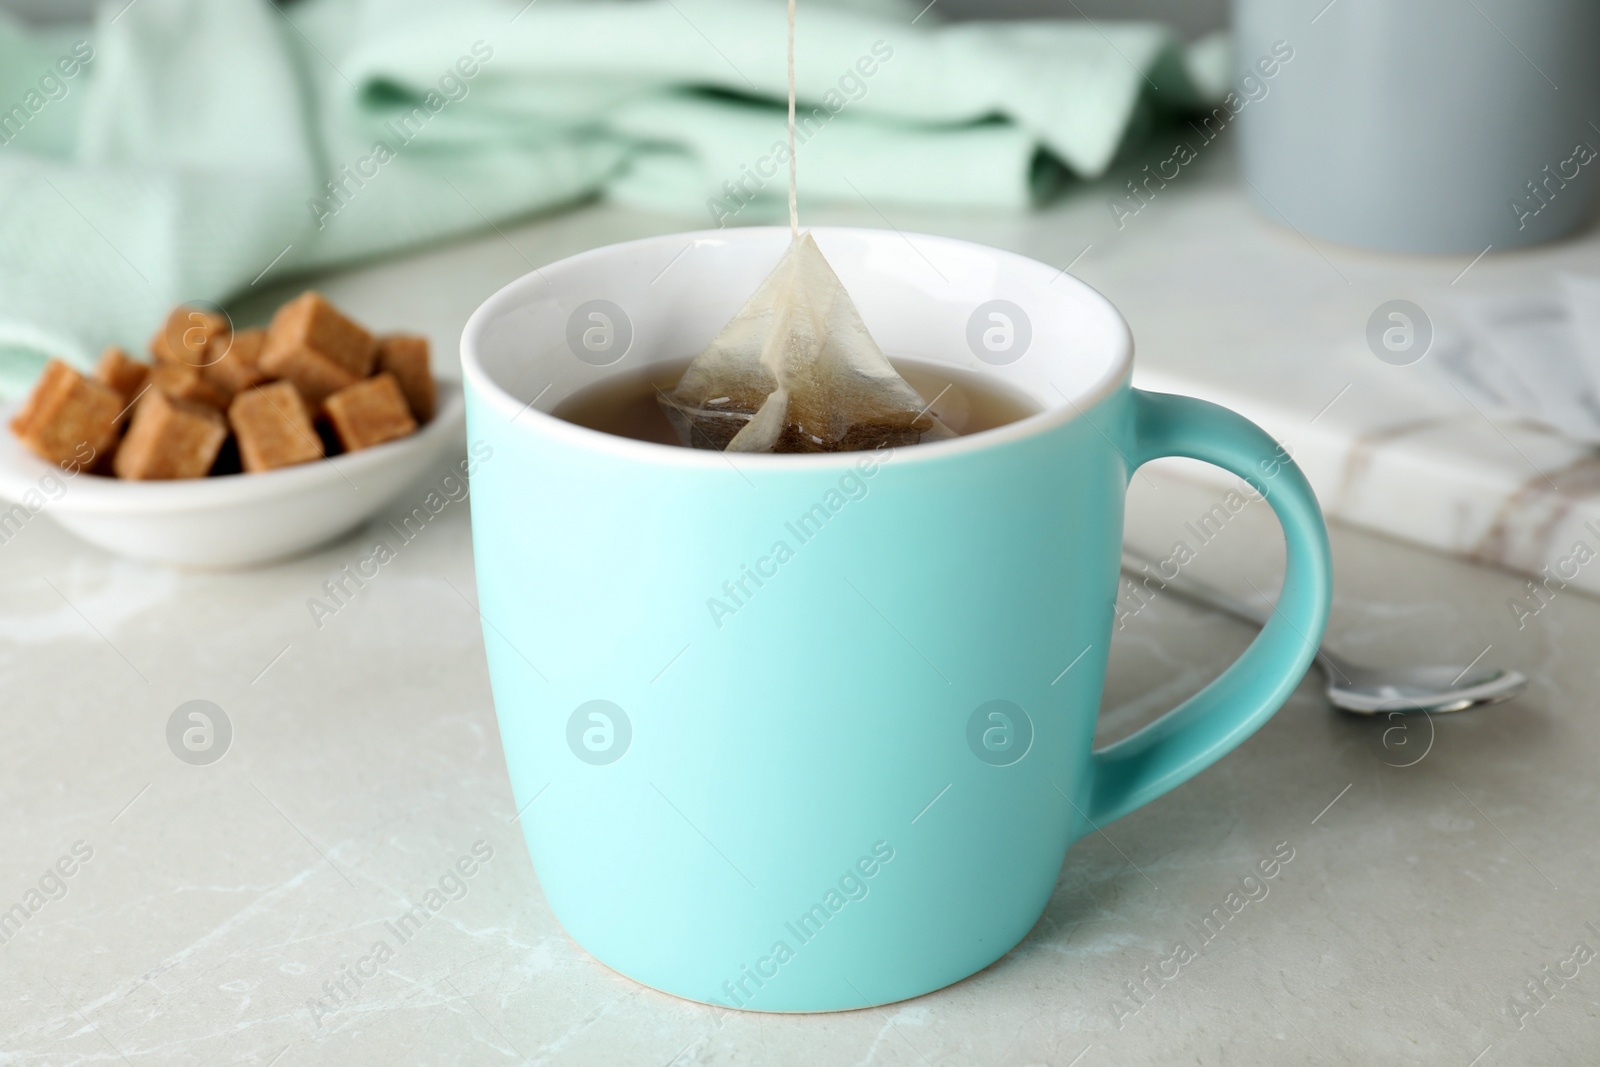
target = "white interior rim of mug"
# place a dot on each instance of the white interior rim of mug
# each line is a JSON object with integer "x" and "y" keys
{"x": 923, "y": 298}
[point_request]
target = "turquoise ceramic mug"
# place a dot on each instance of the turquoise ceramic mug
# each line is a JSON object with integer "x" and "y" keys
{"x": 859, "y": 784}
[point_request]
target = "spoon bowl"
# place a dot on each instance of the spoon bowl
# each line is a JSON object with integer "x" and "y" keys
{"x": 1407, "y": 690}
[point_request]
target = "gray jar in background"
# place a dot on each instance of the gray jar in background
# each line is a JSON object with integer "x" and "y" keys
{"x": 1424, "y": 125}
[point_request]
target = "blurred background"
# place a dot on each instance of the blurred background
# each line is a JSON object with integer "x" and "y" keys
{"x": 1192, "y": 19}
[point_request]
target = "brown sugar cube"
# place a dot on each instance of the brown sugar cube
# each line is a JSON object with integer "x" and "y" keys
{"x": 309, "y": 325}
{"x": 170, "y": 439}
{"x": 182, "y": 382}
{"x": 369, "y": 413}
{"x": 406, "y": 357}
{"x": 235, "y": 361}
{"x": 187, "y": 335}
{"x": 55, "y": 377}
{"x": 50, "y": 380}
{"x": 125, "y": 376}
{"x": 315, "y": 377}
{"x": 68, "y": 419}
{"x": 274, "y": 428}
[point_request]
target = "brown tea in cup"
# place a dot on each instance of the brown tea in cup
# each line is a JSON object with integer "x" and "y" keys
{"x": 628, "y": 404}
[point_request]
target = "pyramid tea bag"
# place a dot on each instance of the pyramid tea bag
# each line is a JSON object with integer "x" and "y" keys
{"x": 796, "y": 371}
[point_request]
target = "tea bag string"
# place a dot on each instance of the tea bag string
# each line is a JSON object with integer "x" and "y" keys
{"x": 794, "y": 211}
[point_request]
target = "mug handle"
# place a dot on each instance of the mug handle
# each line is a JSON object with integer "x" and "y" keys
{"x": 1207, "y": 726}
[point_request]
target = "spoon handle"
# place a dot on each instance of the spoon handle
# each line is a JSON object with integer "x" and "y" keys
{"x": 1193, "y": 589}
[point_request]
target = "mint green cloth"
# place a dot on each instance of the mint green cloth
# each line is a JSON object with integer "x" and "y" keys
{"x": 201, "y": 147}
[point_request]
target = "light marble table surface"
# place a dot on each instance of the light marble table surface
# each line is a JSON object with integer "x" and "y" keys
{"x": 1438, "y": 866}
